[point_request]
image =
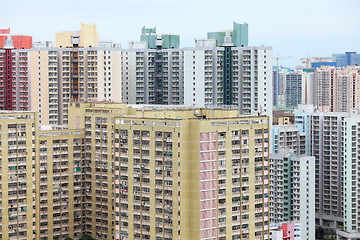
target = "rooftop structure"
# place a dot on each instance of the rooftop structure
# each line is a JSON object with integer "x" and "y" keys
{"x": 19, "y": 41}
{"x": 158, "y": 40}
{"x": 86, "y": 37}
{"x": 238, "y": 37}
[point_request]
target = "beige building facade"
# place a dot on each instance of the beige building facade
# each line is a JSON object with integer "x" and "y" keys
{"x": 59, "y": 75}
{"x": 135, "y": 172}
{"x": 18, "y": 147}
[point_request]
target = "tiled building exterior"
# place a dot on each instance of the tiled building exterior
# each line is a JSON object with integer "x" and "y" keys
{"x": 177, "y": 196}
{"x": 127, "y": 171}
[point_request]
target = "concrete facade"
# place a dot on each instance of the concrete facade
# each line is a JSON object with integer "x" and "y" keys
{"x": 292, "y": 190}
{"x": 55, "y": 80}
{"x": 337, "y": 89}
{"x": 333, "y": 141}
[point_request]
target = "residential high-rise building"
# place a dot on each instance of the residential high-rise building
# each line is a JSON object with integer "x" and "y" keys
{"x": 288, "y": 137}
{"x": 333, "y": 141}
{"x": 59, "y": 183}
{"x": 124, "y": 172}
{"x": 228, "y": 75}
{"x": 336, "y": 89}
{"x": 325, "y": 145}
{"x": 69, "y": 74}
{"x": 76, "y": 72}
{"x": 18, "y": 150}
{"x": 153, "y": 165}
{"x": 292, "y": 190}
{"x": 101, "y": 185}
{"x": 41, "y": 179}
{"x": 14, "y": 77}
{"x": 220, "y": 70}
{"x": 153, "y": 70}
{"x": 166, "y": 194}
{"x": 350, "y": 134}
{"x": 293, "y": 87}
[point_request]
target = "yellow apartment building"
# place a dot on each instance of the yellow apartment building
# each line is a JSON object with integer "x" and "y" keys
{"x": 191, "y": 174}
{"x": 59, "y": 171}
{"x": 18, "y": 143}
{"x": 119, "y": 171}
{"x": 176, "y": 172}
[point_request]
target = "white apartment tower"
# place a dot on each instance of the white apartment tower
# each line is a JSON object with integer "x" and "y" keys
{"x": 228, "y": 75}
{"x": 152, "y": 76}
{"x": 350, "y": 135}
{"x": 292, "y": 189}
{"x": 220, "y": 70}
{"x": 61, "y": 75}
{"x": 334, "y": 142}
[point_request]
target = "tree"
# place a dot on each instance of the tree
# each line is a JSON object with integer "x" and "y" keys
{"x": 87, "y": 237}
{"x": 319, "y": 233}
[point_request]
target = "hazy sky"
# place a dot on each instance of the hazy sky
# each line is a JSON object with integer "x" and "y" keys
{"x": 292, "y": 28}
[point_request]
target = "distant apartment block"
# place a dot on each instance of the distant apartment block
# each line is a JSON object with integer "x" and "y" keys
{"x": 219, "y": 70}
{"x": 293, "y": 87}
{"x": 46, "y": 78}
{"x": 153, "y": 70}
{"x": 72, "y": 74}
{"x": 76, "y": 70}
{"x": 337, "y": 89}
{"x": 14, "y": 76}
{"x": 333, "y": 141}
{"x": 228, "y": 75}
{"x": 224, "y": 70}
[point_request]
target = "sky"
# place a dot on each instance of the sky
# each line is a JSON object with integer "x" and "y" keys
{"x": 295, "y": 29}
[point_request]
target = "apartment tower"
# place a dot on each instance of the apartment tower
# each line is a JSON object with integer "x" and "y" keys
{"x": 18, "y": 144}
{"x": 14, "y": 76}
{"x": 219, "y": 70}
{"x": 153, "y": 70}
{"x": 80, "y": 68}
{"x": 292, "y": 190}
{"x": 191, "y": 174}
{"x": 333, "y": 141}
{"x": 336, "y": 89}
